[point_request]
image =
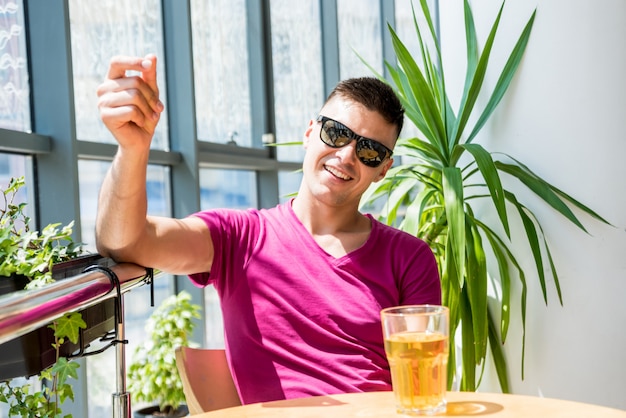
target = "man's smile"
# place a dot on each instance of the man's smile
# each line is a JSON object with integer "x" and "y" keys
{"x": 337, "y": 173}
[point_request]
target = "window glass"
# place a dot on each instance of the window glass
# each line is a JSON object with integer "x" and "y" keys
{"x": 235, "y": 189}
{"x": 12, "y": 165}
{"x": 99, "y": 31}
{"x": 14, "y": 87}
{"x": 297, "y": 67}
{"x": 359, "y": 33}
{"x": 91, "y": 174}
{"x": 100, "y": 378}
{"x": 220, "y": 63}
{"x": 288, "y": 184}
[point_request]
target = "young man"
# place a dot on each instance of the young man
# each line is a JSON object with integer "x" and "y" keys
{"x": 301, "y": 285}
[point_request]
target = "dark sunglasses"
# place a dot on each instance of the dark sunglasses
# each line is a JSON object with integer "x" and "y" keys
{"x": 335, "y": 134}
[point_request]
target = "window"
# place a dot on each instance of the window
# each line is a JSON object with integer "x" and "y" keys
{"x": 15, "y": 90}
{"x": 359, "y": 33}
{"x": 99, "y": 31}
{"x": 297, "y": 66}
{"x": 227, "y": 189}
{"x": 220, "y": 61}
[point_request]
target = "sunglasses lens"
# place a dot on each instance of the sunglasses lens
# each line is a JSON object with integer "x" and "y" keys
{"x": 370, "y": 153}
{"x": 334, "y": 136}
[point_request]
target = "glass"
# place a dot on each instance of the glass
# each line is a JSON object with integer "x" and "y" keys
{"x": 416, "y": 344}
{"x": 359, "y": 33}
{"x": 297, "y": 68}
{"x": 288, "y": 184}
{"x": 91, "y": 174}
{"x": 100, "y": 380}
{"x": 99, "y": 31}
{"x": 220, "y": 64}
{"x": 11, "y": 166}
{"x": 14, "y": 86}
{"x": 234, "y": 189}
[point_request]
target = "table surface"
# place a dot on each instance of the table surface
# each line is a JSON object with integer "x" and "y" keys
{"x": 381, "y": 405}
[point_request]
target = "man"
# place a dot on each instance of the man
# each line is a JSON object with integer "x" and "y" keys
{"x": 301, "y": 285}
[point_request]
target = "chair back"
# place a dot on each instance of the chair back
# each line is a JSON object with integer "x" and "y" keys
{"x": 207, "y": 381}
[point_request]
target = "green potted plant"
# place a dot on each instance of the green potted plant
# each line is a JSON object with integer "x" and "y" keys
{"x": 45, "y": 399}
{"x": 152, "y": 374}
{"x": 27, "y": 259}
{"x": 444, "y": 174}
{"x": 29, "y": 254}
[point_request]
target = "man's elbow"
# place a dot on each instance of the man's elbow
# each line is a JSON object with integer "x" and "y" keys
{"x": 118, "y": 254}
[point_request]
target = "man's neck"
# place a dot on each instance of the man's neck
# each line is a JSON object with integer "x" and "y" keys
{"x": 321, "y": 219}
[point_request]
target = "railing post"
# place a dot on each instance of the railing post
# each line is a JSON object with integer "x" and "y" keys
{"x": 121, "y": 399}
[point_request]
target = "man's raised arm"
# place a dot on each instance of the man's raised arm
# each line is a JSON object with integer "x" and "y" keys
{"x": 130, "y": 108}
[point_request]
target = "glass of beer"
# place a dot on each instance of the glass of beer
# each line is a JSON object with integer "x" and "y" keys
{"x": 416, "y": 344}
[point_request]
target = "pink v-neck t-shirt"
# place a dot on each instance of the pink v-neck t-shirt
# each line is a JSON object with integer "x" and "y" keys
{"x": 299, "y": 322}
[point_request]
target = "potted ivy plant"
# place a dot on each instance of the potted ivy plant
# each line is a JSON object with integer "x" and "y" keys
{"x": 444, "y": 174}
{"x": 29, "y": 255}
{"x": 53, "y": 386}
{"x": 27, "y": 260}
{"x": 152, "y": 374}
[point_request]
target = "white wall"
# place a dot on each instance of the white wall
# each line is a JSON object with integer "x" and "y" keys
{"x": 565, "y": 117}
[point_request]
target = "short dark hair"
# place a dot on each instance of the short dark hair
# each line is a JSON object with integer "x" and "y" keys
{"x": 375, "y": 95}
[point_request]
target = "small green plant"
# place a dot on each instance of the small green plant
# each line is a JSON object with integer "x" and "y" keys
{"x": 30, "y": 253}
{"x": 153, "y": 376}
{"x": 27, "y": 402}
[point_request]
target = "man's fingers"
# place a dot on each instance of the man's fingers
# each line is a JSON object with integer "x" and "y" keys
{"x": 116, "y": 117}
{"x": 120, "y": 64}
{"x": 129, "y": 98}
{"x": 149, "y": 71}
{"x": 136, "y": 90}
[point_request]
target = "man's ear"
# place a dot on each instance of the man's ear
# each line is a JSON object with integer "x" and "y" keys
{"x": 383, "y": 172}
{"x": 307, "y": 134}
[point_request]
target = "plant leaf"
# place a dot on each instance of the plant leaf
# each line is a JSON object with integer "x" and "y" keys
{"x": 474, "y": 80}
{"x": 468, "y": 353}
{"x": 541, "y": 188}
{"x": 505, "y": 77}
{"x": 453, "y": 197}
{"x": 498, "y": 356}
{"x": 476, "y": 285}
{"x": 64, "y": 369}
{"x": 68, "y": 326}
{"x": 492, "y": 179}
{"x": 434, "y": 126}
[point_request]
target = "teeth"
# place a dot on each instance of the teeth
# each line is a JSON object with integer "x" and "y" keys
{"x": 337, "y": 173}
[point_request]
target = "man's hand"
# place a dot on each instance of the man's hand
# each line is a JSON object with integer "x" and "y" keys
{"x": 129, "y": 104}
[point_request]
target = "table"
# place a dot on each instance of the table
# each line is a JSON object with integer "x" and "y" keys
{"x": 381, "y": 405}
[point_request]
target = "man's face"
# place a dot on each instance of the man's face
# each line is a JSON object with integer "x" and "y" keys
{"x": 335, "y": 175}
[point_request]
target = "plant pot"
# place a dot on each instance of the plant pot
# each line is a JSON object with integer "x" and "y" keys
{"x": 33, "y": 352}
{"x": 154, "y": 411}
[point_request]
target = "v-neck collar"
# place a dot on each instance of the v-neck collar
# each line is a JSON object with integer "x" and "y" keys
{"x": 310, "y": 241}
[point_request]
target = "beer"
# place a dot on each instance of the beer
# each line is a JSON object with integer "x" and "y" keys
{"x": 418, "y": 362}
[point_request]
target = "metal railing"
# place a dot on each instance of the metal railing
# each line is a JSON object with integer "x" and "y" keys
{"x": 26, "y": 310}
